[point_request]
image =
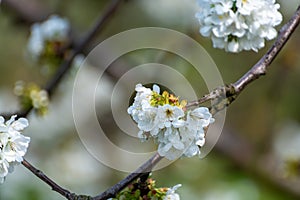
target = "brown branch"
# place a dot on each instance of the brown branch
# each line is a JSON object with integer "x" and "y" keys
{"x": 67, "y": 63}
{"x": 260, "y": 68}
{"x": 48, "y": 181}
{"x": 144, "y": 168}
{"x": 78, "y": 48}
{"x": 110, "y": 10}
{"x": 230, "y": 93}
{"x": 53, "y": 83}
{"x": 217, "y": 93}
{"x": 225, "y": 95}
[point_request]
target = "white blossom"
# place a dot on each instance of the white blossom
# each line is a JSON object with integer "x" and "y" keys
{"x": 53, "y": 29}
{"x": 39, "y": 98}
{"x": 171, "y": 193}
{"x": 16, "y": 147}
{"x": 142, "y": 98}
{"x": 3, "y": 168}
{"x": 168, "y": 114}
{"x": 141, "y": 110}
{"x": 192, "y": 150}
{"x": 199, "y": 118}
{"x": 13, "y": 145}
{"x": 177, "y": 132}
{"x": 236, "y": 25}
{"x": 34, "y": 96}
{"x": 35, "y": 44}
{"x": 170, "y": 144}
{"x": 12, "y": 126}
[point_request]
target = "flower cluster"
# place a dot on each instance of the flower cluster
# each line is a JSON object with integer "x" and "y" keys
{"x": 162, "y": 117}
{"x": 47, "y": 37}
{"x": 147, "y": 190}
{"x": 48, "y": 43}
{"x": 236, "y": 25}
{"x": 31, "y": 95}
{"x": 13, "y": 145}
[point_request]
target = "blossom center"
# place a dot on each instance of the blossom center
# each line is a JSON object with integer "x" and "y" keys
{"x": 169, "y": 113}
{"x": 12, "y": 146}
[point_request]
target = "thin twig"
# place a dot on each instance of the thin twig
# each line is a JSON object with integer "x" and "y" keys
{"x": 146, "y": 167}
{"x": 260, "y": 68}
{"x": 110, "y": 10}
{"x": 231, "y": 91}
{"x": 78, "y": 48}
{"x": 218, "y": 92}
{"x": 53, "y": 83}
{"x": 47, "y": 180}
{"x": 254, "y": 73}
{"x": 67, "y": 63}
{"x": 225, "y": 95}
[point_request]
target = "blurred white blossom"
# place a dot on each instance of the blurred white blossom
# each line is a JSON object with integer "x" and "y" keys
{"x": 36, "y": 44}
{"x": 287, "y": 141}
{"x": 54, "y": 29}
{"x": 13, "y": 145}
{"x": 163, "y": 118}
{"x": 32, "y": 95}
{"x": 286, "y": 149}
{"x": 236, "y": 25}
{"x": 39, "y": 98}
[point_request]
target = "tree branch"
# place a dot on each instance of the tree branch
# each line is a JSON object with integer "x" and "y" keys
{"x": 48, "y": 181}
{"x": 225, "y": 95}
{"x": 67, "y": 63}
{"x": 53, "y": 83}
{"x": 260, "y": 68}
{"x": 230, "y": 92}
{"x": 144, "y": 168}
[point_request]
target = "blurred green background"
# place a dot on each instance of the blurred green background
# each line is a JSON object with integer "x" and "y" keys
{"x": 262, "y": 130}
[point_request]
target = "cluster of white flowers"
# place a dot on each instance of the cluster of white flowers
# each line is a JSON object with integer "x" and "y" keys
{"x": 236, "y": 25}
{"x": 13, "y": 145}
{"x": 171, "y": 193}
{"x": 55, "y": 29}
{"x": 161, "y": 117}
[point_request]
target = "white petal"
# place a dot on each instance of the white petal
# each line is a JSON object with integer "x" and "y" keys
{"x": 156, "y": 88}
{"x": 233, "y": 47}
{"x": 201, "y": 142}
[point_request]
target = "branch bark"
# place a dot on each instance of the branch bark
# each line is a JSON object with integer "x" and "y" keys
{"x": 47, "y": 180}
{"x": 67, "y": 63}
{"x": 225, "y": 95}
{"x": 144, "y": 168}
{"x": 260, "y": 68}
{"x": 231, "y": 91}
{"x": 53, "y": 83}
